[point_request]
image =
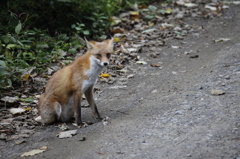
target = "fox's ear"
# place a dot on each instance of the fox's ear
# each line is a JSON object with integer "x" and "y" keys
{"x": 110, "y": 43}
{"x": 89, "y": 44}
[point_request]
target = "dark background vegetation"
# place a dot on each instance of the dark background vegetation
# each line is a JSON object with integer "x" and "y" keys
{"x": 33, "y": 33}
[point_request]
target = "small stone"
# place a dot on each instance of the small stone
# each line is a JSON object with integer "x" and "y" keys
{"x": 189, "y": 155}
{"x": 119, "y": 152}
{"x": 82, "y": 138}
{"x": 179, "y": 112}
{"x": 154, "y": 91}
{"x": 227, "y": 77}
{"x": 187, "y": 107}
{"x": 217, "y": 92}
{"x": 194, "y": 56}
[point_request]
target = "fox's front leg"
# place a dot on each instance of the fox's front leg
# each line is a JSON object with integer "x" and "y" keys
{"x": 77, "y": 109}
{"x": 89, "y": 96}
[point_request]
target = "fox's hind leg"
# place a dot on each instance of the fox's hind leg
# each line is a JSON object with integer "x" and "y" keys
{"x": 49, "y": 114}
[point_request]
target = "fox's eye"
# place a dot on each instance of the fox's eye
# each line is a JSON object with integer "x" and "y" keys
{"x": 98, "y": 55}
{"x": 108, "y": 55}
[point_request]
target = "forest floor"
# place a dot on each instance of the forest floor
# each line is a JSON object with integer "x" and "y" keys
{"x": 186, "y": 107}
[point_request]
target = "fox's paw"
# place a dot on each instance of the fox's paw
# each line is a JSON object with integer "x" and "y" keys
{"x": 106, "y": 121}
{"x": 81, "y": 125}
{"x": 100, "y": 119}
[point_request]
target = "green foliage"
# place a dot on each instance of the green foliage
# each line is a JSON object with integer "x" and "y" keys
{"x": 32, "y": 48}
{"x": 35, "y": 33}
{"x": 62, "y": 16}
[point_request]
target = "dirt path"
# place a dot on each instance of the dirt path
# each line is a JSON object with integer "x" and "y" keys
{"x": 165, "y": 112}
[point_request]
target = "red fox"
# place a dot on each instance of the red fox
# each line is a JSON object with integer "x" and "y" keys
{"x": 63, "y": 93}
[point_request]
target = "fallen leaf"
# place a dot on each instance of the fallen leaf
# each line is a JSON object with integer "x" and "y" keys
{"x": 67, "y": 134}
{"x": 131, "y": 76}
{"x": 46, "y": 76}
{"x": 101, "y": 153}
{"x": 37, "y": 96}
{"x": 141, "y": 62}
{"x": 104, "y": 75}
{"x": 43, "y": 148}
{"x": 117, "y": 30}
{"x": 9, "y": 99}
{"x": 155, "y": 65}
{"x": 32, "y": 152}
{"x": 190, "y": 5}
{"x": 217, "y": 92}
{"x": 16, "y": 110}
{"x": 175, "y": 47}
{"x": 168, "y": 11}
{"x": 25, "y": 77}
{"x": 115, "y": 20}
{"x": 150, "y": 24}
{"x": 27, "y": 100}
{"x": 133, "y": 49}
{"x": 166, "y": 25}
{"x": 134, "y": 15}
{"x": 212, "y": 8}
{"x": 180, "y": 2}
{"x": 28, "y": 108}
{"x": 117, "y": 87}
{"x": 236, "y": 2}
{"x": 116, "y": 40}
{"x": 153, "y": 8}
{"x": 149, "y": 30}
{"x": 123, "y": 49}
{"x": 18, "y": 142}
{"x": 222, "y": 40}
{"x": 6, "y": 121}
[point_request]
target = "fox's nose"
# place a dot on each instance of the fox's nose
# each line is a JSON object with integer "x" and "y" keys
{"x": 105, "y": 63}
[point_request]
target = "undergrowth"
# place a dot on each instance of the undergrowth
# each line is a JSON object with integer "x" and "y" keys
{"x": 34, "y": 34}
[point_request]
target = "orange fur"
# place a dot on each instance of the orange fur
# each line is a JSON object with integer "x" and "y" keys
{"x": 63, "y": 93}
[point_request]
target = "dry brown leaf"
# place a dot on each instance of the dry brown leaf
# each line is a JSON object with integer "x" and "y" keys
{"x": 134, "y": 15}
{"x": 155, "y": 65}
{"x": 117, "y": 30}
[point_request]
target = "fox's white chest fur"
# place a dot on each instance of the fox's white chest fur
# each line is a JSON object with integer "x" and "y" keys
{"x": 92, "y": 73}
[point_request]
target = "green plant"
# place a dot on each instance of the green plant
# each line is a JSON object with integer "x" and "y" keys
{"x": 33, "y": 34}
{"x": 32, "y": 48}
